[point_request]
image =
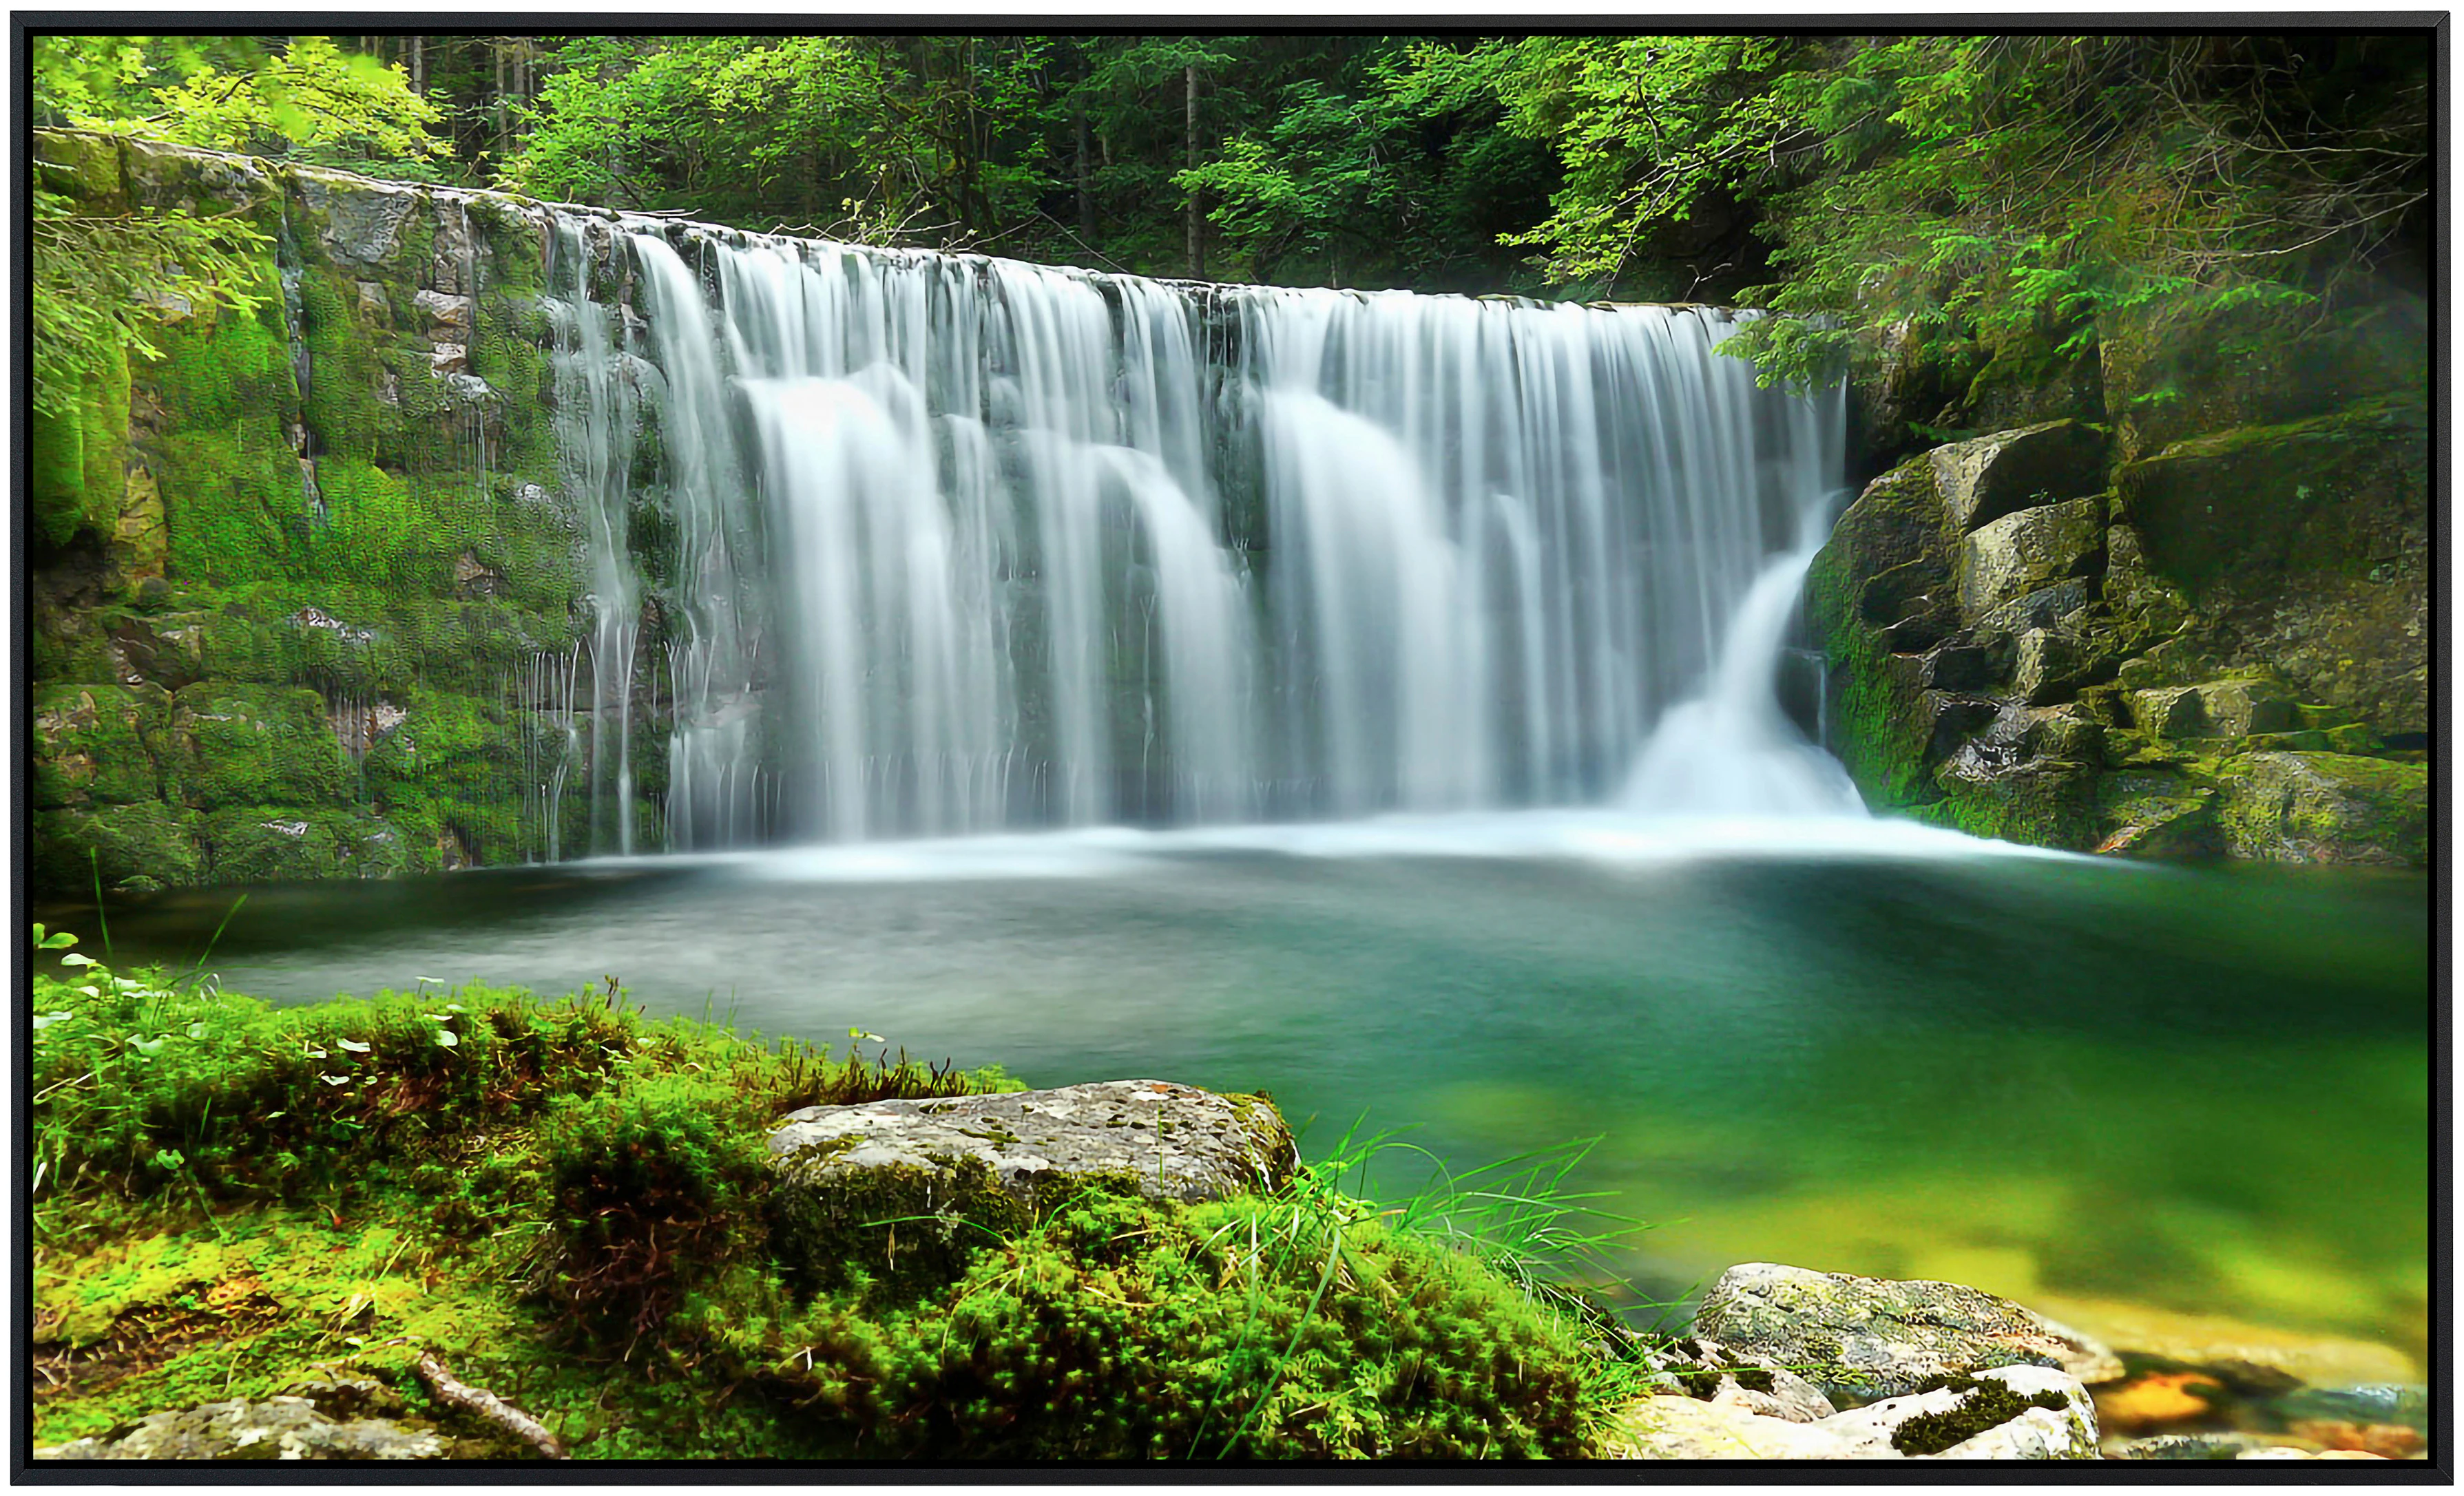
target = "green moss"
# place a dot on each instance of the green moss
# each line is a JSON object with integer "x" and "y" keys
{"x": 272, "y": 844}
{"x": 1115, "y": 1326}
{"x": 253, "y": 746}
{"x": 2325, "y": 807}
{"x": 2044, "y": 803}
{"x": 94, "y": 744}
{"x": 231, "y": 491}
{"x": 1887, "y": 555}
{"x": 146, "y": 841}
{"x": 2234, "y": 512}
{"x": 1984, "y": 1404}
{"x": 260, "y": 1190}
{"x": 76, "y": 463}
{"x": 339, "y": 402}
{"x": 81, "y": 165}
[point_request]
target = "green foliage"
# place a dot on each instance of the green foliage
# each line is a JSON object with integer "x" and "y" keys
{"x": 306, "y": 99}
{"x": 105, "y": 277}
{"x": 649, "y": 1184}
{"x": 261, "y": 1100}
{"x": 1992, "y": 187}
{"x": 1307, "y": 160}
{"x": 1310, "y": 1324}
{"x": 103, "y": 280}
{"x": 571, "y": 1205}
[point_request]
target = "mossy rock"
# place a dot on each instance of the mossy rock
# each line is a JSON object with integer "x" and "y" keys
{"x": 2178, "y": 369}
{"x": 2158, "y": 813}
{"x": 2325, "y": 807}
{"x": 1861, "y": 1339}
{"x": 77, "y": 462}
{"x": 2027, "y": 550}
{"x": 955, "y": 1170}
{"x": 1982, "y": 479}
{"x": 1884, "y": 579}
{"x": 83, "y": 164}
{"x": 2039, "y": 802}
{"x": 255, "y": 745}
{"x": 94, "y": 744}
{"x": 2305, "y": 549}
{"x": 132, "y": 849}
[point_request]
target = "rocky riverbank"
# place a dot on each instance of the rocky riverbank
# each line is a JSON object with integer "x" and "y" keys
{"x": 2188, "y": 617}
{"x": 480, "y": 1225}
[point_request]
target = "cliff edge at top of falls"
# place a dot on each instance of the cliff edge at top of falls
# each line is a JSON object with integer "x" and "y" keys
{"x": 2186, "y": 615}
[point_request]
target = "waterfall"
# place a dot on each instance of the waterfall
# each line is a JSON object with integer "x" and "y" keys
{"x": 1732, "y": 751}
{"x": 594, "y": 425}
{"x": 961, "y": 545}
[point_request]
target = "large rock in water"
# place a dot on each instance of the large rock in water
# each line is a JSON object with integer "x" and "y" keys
{"x": 1867, "y": 1338}
{"x": 912, "y": 1187}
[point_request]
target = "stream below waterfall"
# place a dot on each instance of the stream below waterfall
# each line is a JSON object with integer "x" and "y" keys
{"x": 1861, "y": 1045}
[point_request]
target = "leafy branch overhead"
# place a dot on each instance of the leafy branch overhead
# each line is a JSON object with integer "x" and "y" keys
{"x": 1987, "y": 186}
{"x": 103, "y": 281}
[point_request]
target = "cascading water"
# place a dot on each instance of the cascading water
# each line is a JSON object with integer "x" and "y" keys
{"x": 1733, "y": 752}
{"x": 963, "y": 545}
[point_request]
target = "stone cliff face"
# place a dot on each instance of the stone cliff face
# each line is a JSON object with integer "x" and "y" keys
{"x": 2185, "y": 616}
{"x": 304, "y": 590}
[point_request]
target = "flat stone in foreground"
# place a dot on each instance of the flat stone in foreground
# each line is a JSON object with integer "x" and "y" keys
{"x": 1717, "y": 1428}
{"x": 276, "y": 1428}
{"x": 1867, "y": 1338}
{"x": 1179, "y": 1143}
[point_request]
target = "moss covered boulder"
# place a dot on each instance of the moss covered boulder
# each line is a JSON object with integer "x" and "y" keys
{"x": 2174, "y": 370}
{"x": 953, "y": 1164}
{"x": 2325, "y": 807}
{"x": 2302, "y": 548}
{"x": 96, "y": 744}
{"x": 1861, "y": 1339}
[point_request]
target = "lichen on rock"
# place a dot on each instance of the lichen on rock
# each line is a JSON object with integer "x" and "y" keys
{"x": 1867, "y": 1338}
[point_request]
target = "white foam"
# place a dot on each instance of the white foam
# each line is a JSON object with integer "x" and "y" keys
{"x": 1604, "y": 837}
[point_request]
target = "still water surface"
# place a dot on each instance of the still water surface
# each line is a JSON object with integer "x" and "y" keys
{"x": 1870, "y": 1049}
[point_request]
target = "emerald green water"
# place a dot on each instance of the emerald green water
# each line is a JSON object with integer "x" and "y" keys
{"x": 2080, "y": 1083}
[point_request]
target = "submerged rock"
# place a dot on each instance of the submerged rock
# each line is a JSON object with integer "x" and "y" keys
{"x": 1867, "y": 1338}
{"x": 2193, "y": 1446}
{"x": 2254, "y": 1360}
